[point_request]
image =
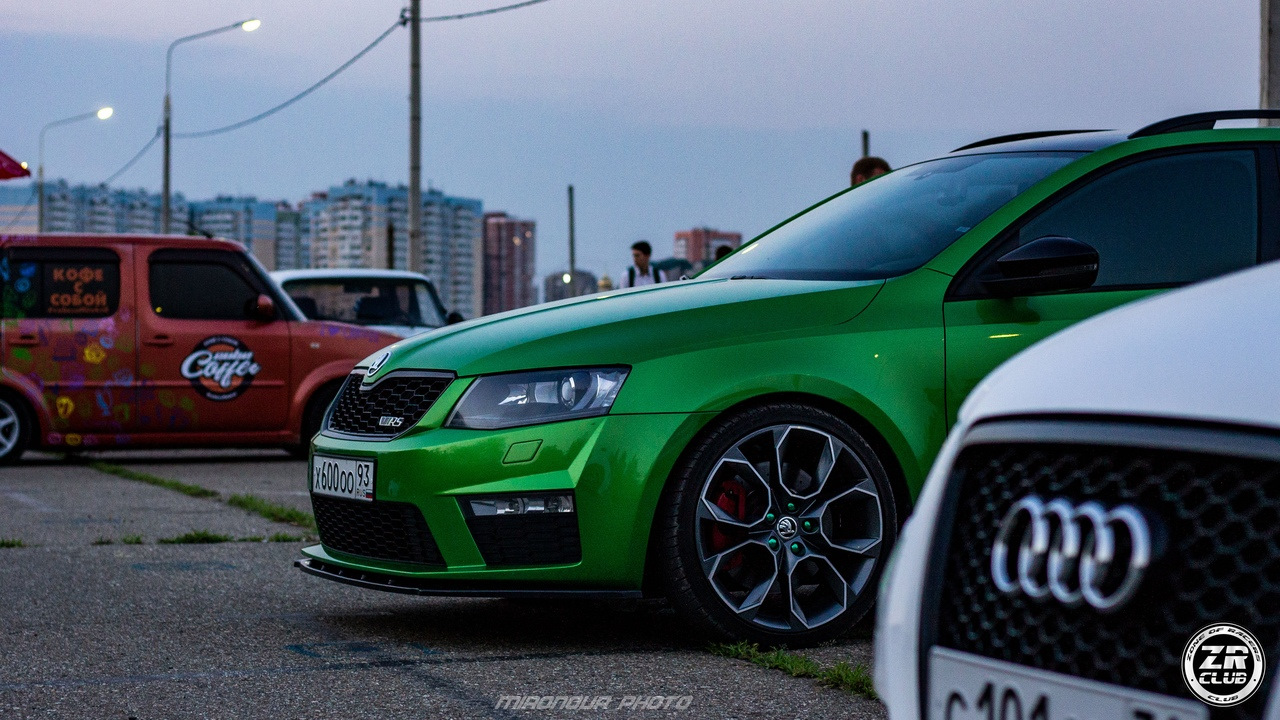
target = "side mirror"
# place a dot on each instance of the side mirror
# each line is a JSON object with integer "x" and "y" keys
{"x": 453, "y": 318}
{"x": 1049, "y": 264}
{"x": 264, "y": 309}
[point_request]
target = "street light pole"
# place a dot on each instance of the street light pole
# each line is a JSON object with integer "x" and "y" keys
{"x": 248, "y": 26}
{"x": 413, "y": 256}
{"x": 101, "y": 114}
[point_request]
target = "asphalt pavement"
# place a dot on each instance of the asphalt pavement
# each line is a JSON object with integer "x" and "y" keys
{"x": 92, "y": 627}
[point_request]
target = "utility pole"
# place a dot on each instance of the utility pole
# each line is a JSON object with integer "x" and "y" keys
{"x": 866, "y": 144}
{"x": 1269, "y": 97}
{"x": 164, "y": 191}
{"x": 573, "y": 285}
{"x": 414, "y": 256}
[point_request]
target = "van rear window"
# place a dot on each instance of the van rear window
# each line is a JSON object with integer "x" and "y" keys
{"x": 60, "y": 282}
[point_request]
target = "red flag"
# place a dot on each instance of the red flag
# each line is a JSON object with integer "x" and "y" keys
{"x": 10, "y": 168}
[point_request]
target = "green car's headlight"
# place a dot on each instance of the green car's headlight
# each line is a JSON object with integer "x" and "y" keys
{"x": 529, "y": 398}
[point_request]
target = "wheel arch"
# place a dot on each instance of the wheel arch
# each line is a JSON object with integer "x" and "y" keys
{"x": 880, "y": 444}
{"x": 32, "y": 402}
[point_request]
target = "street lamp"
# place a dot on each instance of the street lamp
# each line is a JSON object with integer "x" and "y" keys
{"x": 248, "y": 26}
{"x": 101, "y": 114}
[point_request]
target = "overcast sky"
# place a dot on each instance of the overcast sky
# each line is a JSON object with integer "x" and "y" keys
{"x": 665, "y": 114}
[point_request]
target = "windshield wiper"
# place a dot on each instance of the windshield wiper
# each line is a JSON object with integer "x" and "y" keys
{"x": 749, "y": 277}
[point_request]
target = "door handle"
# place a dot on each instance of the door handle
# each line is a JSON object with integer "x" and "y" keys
{"x": 158, "y": 341}
{"x": 27, "y": 339}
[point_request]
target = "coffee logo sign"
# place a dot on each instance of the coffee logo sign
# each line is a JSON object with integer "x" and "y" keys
{"x": 220, "y": 368}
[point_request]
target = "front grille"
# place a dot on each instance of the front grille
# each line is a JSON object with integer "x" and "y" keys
{"x": 550, "y": 539}
{"x": 379, "y": 530}
{"x": 406, "y": 397}
{"x": 1220, "y": 561}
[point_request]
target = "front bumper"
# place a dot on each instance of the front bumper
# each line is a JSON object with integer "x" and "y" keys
{"x": 615, "y": 467}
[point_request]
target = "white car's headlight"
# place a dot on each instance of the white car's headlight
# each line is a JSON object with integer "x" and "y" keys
{"x": 529, "y": 398}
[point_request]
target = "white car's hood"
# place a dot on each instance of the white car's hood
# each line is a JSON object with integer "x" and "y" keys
{"x": 1210, "y": 352}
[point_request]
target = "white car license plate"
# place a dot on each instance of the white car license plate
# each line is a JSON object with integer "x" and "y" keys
{"x": 969, "y": 687}
{"x": 342, "y": 477}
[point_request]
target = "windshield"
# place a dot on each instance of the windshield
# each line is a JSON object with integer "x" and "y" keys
{"x": 893, "y": 224}
{"x": 368, "y": 301}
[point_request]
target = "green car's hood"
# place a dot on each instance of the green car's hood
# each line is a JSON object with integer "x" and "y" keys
{"x": 627, "y": 327}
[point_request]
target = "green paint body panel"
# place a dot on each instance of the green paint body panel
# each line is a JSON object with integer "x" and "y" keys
{"x": 889, "y": 354}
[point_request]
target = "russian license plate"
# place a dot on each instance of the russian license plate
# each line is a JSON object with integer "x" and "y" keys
{"x": 342, "y": 477}
{"x": 969, "y": 687}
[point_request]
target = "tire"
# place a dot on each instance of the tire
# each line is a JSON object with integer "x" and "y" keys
{"x": 739, "y": 563}
{"x": 313, "y": 417}
{"x": 15, "y": 428}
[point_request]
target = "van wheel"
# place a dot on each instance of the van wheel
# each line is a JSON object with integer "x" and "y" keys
{"x": 15, "y": 428}
{"x": 776, "y": 527}
{"x": 313, "y": 417}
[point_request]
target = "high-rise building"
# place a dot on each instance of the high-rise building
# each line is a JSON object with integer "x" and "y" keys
{"x": 558, "y": 286}
{"x": 509, "y": 246}
{"x": 83, "y": 208}
{"x": 247, "y": 220}
{"x": 367, "y": 225}
{"x": 291, "y": 252}
{"x": 698, "y": 245}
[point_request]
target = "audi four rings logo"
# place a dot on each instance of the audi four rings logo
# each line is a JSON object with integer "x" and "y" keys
{"x": 1073, "y": 553}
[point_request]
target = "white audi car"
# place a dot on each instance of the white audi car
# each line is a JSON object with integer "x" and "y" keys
{"x": 1100, "y": 536}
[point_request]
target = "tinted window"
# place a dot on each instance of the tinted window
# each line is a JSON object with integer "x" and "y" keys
{"x": 200, "y": 291}
{"x": 1166, "y": 220}
{"x": 60, "y": 282}
{"x": 893, "y": 224}
{"x": 367, "y": 301}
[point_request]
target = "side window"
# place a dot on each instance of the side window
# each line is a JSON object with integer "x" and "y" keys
{"x": 1164, "y": 221}
{"x": 60, "y": 283}
{"x": 199, "y": 290}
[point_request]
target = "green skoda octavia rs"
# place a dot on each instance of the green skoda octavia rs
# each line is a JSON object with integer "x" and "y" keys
{"x": 747, "y": 443}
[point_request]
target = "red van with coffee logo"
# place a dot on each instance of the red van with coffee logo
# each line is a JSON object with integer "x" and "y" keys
{"x": 144, "y": 341}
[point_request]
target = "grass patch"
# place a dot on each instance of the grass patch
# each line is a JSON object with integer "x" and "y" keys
{"x": 196, "y": 537}
{"x": 855, "y": 679}
{"x": 103, "y": 541}
{"x": 131, "y": 540}
{"x": 252, "y": 538}
{"x": 11, "y": 543}
{"x": 166, "y": 483}
{"x": 273, "y": 511}
{"x": 285, "y": 537}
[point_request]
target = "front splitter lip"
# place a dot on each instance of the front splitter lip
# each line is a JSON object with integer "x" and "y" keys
{"x": 454, "y": 588}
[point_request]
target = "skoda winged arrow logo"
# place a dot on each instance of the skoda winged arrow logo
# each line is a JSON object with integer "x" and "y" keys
{"x": 377, "y": 364}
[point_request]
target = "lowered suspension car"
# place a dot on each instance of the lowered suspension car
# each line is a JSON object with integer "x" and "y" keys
{"x": 748, "y": 443}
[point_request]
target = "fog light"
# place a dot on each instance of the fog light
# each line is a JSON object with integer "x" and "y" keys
{"x": 521, "y": 505}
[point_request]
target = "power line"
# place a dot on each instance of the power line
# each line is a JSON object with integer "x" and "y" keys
{"x": 135, "y": 158}
{"x": 267, "y": 113}
{"x": 478, "y": 13}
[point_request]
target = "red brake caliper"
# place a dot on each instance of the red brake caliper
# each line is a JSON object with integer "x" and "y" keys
{"x": 732, "y": 500}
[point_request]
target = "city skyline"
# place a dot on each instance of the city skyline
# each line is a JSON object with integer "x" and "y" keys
{"x": 664, "y": 116}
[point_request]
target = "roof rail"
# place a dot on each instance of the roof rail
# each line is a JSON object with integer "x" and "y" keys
{"x": 1201, "y": 121}
{"x": 1019, "y": 136}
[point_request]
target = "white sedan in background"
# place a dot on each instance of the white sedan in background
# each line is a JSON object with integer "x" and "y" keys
{"x": 394, "y": 301}
{"x": 1100, "y": 536}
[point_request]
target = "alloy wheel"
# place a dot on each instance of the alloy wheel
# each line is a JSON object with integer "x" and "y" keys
{"x": 789, "y": 527}
{"x": 10, "y": 428}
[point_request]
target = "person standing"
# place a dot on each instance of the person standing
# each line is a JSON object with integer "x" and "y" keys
{"x": 867, "y": 168}
{"x": 642, "y": 272}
